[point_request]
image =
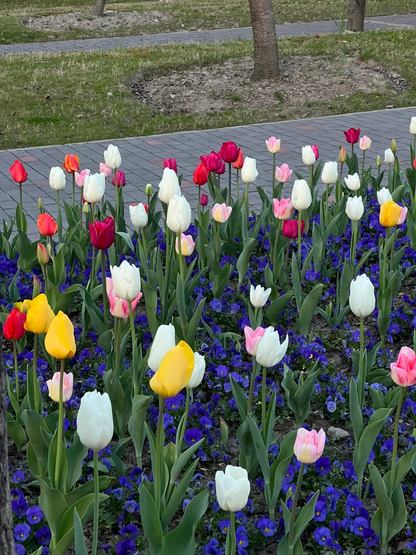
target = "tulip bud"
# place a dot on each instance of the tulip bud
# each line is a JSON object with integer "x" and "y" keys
{"x": 365, "y": 143}
{"x": 221, "y": 212}
{"x": 94, "y": 187}
{"x": 163, "y": 342}
{"x": 42, "y": 253}
{"x": 60, "y": 339}
{"x": 50, "y": 250}
{"x": 169, "y": 186}
{"x": 301, "y": 195}
{"x": 139, "y": 215}
{"x": 67, "y": 386}
{"x": 204, "y": 200}
{"x": 57, "y": 178}
{"x": 414, "y": 164}
{"x": 36, "y": 287}
{"x": 362, "y": 299}
{"x": 112, "y": 157}
{"x": 308, "y": 156}
{"x": 198, "y": 372}
{"x": 273, "y": 145}
{"x": 187, "y": 245}
{"x": 249, "y": 170}
{"x": 383, "y": 195}
{"x": 224, "y": 432}
{"x": 149, "y": 189}
{"x": 232, "y": 488}
{"x": 178, "y": 217}
{"x": 390, "y": 213}
{"x": 86, "y": 208}
{"x": 40, "y": 205}
{"x": 388, "y": 156}
{"x": 413, "y": 125}
{"x": 126, "y": 280}
{"x": 393, "y": 146}
{"x": 403, "y": 372}
{"x": 342, "y": 155}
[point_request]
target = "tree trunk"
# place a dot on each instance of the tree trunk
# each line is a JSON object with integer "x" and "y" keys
{"x": 6, "y": 522}
{"x": 356, "y": 13}
{"x": 266, "y": 56}
{"x": 99, "y": 7}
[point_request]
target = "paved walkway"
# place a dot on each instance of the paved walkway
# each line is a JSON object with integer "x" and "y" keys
{"x": 143, "y": 156}
{"x": 287, "y": 30}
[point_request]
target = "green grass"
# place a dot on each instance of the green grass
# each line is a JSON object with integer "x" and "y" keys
{"x": 184, "y": 15}
{"x": 75, "y": 105}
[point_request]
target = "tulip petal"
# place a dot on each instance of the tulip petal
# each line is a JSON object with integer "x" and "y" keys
{"x": 174, "y": 371}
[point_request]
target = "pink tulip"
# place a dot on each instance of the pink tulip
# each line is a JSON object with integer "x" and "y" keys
{"x": 80, "y": 177}
{"x": 171, "y": 164}
{"x": 105, "y": 170}
{"x": 403, "y": 372}
{"x": 282, "y": 208}
{"x": 283, "y": 174}
{"x": 221, "y": 212}
{"x": 309, "y": 446}
{"x": 403, "y": 215}
{"x": 221, "y": 169}
{"x": 53, "y": 386}
{"x": 273, "y": 145}
{"x": 119, "y": 307}
{"x": 212, "y": 161}
{"x": 253, "y": 339}
{"x": 365, "y": 143}
{"x": 315, "y": 151}
{"x": 121, "y": 179}
{"x": 187, "y": 245}
{"x": 204, "y": 200}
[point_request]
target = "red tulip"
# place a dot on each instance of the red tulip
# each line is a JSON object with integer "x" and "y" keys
{"x": 204, "y": 200}
{"x": 71, "y": 164}
{"x": 414, "y": 164}
{"x": 103, "y": 234}
{"x": 171, "y": 164}
{"x": 229, "y": 152}
{"x": 238, "y": 164}
{"x": 18, "y": 172}
{"x": 47, "y": 225}
{"x": 121, "y": 179}
{"x": 13, "y": 327}
{"x": 352, "y": 135}
{"x": 200, "y": 174}
{"x": 315, "y": 151}
{"x": 290, "y": 228}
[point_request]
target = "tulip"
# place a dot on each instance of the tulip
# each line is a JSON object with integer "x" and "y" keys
{"x": 413, "y": 125}
{"x": 352, "y": 182}
{"x": 315, "y": 151}
{"x": 121, "y": 179}
{"x": 139, "y": 215}
{"x": 249, "y": 171}
{"x": 259, "y": 296}
{"x": 414, "y": 163}
{"x": 301, "y": 195}
{"x": 238, "y": 164}
{"x": 229, "y": 152}
{"x": 39, "y": 315}
{"x": 221, "y": 169}
{"x": 95, "y": 420}
{"x": 273, "y": 145}
{"x": 365, "y": 143}
{"x": 283, "y": 208}
{"x": 60, "y": 340}
{"x": 197, "y": 372}
{"x": 47, "y": 225}
{"x": 178, "y": 218}
{"x": 112, "y": 157}
{"x": 388, "y": 156}
{"x": 103, "y": 234}
{"x": 40, "y": 205}
{"x": 204, "y": 200}
{"x": 80, "y": 177}
{"x": 105, "y": 170}
{"x": 163, "y": 342}
{"x": 14, "y": 325}
{"x": 53, "y": 386}
{"x": 290, "y": 228}
{"x": 171, "y": 164}
{"x": 283, "y": 174}
{"x": 403, "y": 214}
{"x": 213, "y": 162}
{"x": 126, "y": 280}
{"x": 119, "y": 308}
{"x": 57, "y": 178}
{"x": 42, "y": 254}
{"x": 378, "y": 161}
{"x": 253, "y": 338}
{"x": 232, "y": 488}
{"x": 362, "y": 299}
{"x": 169, "y": 186}
{"x": 354, "y": 208}
{"x": 221, "y": 212}
{"x": 403, "y": 371}
{"x": 342, "y": 155}
{"x": 393, "y": 146}
{"x": 187, "y": 245}
{"x": 352, "y": 135}
{"x": 200, "y": 176}
{"x": 389, "y": 214}
{"x": 383, "y": 196}
{"x": 94, "y": 187}
{"x": 330, "y": 173}
{"x": 269, "y": 350}
{"x": 149, "y": 189}
{"x": 309, "y": 446}
{"x": 71, "y": 164}
{"x": 18, "y": 172}
{"x": 174, "y": 371}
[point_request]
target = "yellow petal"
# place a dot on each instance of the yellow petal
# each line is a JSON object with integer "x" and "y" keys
{"x": 389, "y": 214}
{"x": 39, "y": 315}
{"x": 60, "y": 340}
{"x": 174, "y": 371}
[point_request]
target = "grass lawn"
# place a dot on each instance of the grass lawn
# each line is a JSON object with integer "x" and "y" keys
{"x": 75, "y": 105}
{"x": 183, "y": 15}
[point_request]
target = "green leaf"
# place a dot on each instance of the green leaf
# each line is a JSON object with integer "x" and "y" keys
{"x": 260, "y": 447}
{"x": 403, "y": 466}
{"x": 177, "y": 495}
{"x": 17, "y": 433}
{"x": 243, "y": 260}
{"x": 150, "y": 522}
{"x": 127, "y": 239}
{"x": 355, "y": 412}
{"x": 33, "y": 423}
{"x": 57, "y": 481}
{"x": 53, "y": 505}
{"x": 137, "y": 431}
{"x": 80, "y": 547}
{"x": 306, "y": 515}
{"x": 367, "y": 439}
{"x": 383, "y": 500}
{"x": 308, "y": 308}
{"x": 115, "y": 392}
{"x": 78, "y": 493}
{"x": 277, "y": 306}
{"x": 183, "y": 459}
{"x": 399, "y": 519}
{"x": 240, "y": 399}
{"x": 194, "y": 322}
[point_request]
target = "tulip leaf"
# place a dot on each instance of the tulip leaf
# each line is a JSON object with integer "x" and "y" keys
{"x": 127, "y": 239}
{"x": 383, "y": 500}
{"x": 240, "y": 399}
{"x": 183, "y": 459}
{"x": 402, "y": 468}
{"x": 33, "y": 423}
{"x": 268, "y": 433}
{"x": 243, "y": 260}
{"x": 297, "y": 288}
{"x": 115, "y": 391}
{"x": 279, "y": 467}
{"x": 38, "y": 551}
{"x": 53, "y": 504}
{"x": 150, "y": 298}
{"x": 76, "y": 454}
{"x": 17, "y": 433}
{"x": 355, "y": 411}
{"x": 398, "y": 522}
{"x": 97, "y": 317}
{"x": 308, "y": 308}
{"x": 194, "y": 322}
{"x": 136, "y": 426}
{"x": 150, "y": 522}
{"x": 307, "y": 263}
{"x": 54, "y": 462}
{"x": 367, "y": 439}
{"x": 27, "y": 252}
{"x": 306, "y": 515}
{"x": 277, "y": 306}
{"x": 80, "y": 547}
{"x": 260, "y": 447}
{"x": 81, "y": 491}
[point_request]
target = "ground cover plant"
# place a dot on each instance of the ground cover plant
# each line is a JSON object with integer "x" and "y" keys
{"x": 215, "y": 381}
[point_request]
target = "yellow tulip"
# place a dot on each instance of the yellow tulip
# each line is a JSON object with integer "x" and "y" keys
{"x": 174, "y": 371}
{"x": 390, "y": 214}
{"x": 39, "y": 314}
{"x": 60, "y": 340}
{"x": 23, "y": 306}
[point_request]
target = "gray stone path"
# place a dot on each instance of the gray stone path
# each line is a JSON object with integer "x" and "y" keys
{"x": 143, "y": 156}
{"x": 287, "y": 30}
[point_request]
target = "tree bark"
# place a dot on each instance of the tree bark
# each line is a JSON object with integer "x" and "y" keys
{"x": 99, "y": 7}
{"x": 356, "y": 13}
{"x": 6, "y": 521}
{"x": 266, "y": 55}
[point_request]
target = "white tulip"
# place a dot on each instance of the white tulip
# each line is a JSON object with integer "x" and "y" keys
{"x": 249, "y": 170}
{"x": 259, "y": 296}
{"x": 112, "y": 157}
{"x": 352, "y": 182}
{"x": 301, "y": 195}
{"x": 413, "y": 125}
{"x": 198, "y": 371}
{"x": 138, "y": 215}
{"x": 178, "y": 218}
{"x": 270, "y": 351}
{"x": 233, "y": 488}
{"x": 94, "y": 187}
{"x": 388, "y": 156}
{"x": 126, "y": 280}
{"x": 163, "y": 342}
{"x": 383, "y": 195}
{"x": 57, "y": 178}
{"x": 330, "y": 173}
{"x": 308, "y": 156}
{"x": 354, "y": 208}
{"x": 362, "y": 299}
{"x": 95, "y": 420}
{"x": 169, "y": 186}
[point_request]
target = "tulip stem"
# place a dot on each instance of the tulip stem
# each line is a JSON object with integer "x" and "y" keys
{"x": 274, "y": 174}
{"x": 73, "y": 189}
{"x": 133, "y": 347}
{"x": 81, "y": 206}
{"x": 59, "y": 218}
{"x": 218, "y": 240}
{"x": 354, "y": 225}
{"x": 16, "y": 370}
{"x": 117, "y": 201}
{"x": 263, "y": 404}
{"x": 300, "y": 240}
{"x": 181, "y": 261}
{"x": 326, "y": 204}
{"x": 252, "y": 381}
{"x": 103, "y": 283}
{"x": 294, "y": 507}
{"x": 311, "y": 176}
{"x": 383, "y": 273}
{"x": 279, "y": 190}
{"x": 160, "y": 444}
{"x": 178, "y": 446}
{"x": 362, "y": 171}
{"x": 229, "y": 183}
{"x": 278, "y": 232}
{"x": 21, "y": 196}
{"x": 392, "y": 246}
{"x": 248, "y": 209}
{"x": 35, "y": 365}
{"x": 231, "y": 543}
{"x": 396, "y": 439}
{"x": 339, "y": 185}
{"x": 96, "y": 505}
{"x": 237, "y": 186}
{"x": 117, "y": 323}
{"x": 58, "y": 462}
{"x": 361, "y": 370}
{"x": 199, "y": 203}
{"x": 167, "y": 247}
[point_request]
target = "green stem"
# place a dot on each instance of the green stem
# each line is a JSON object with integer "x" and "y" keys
{"x": 178, "y": 450}
{"x": 35, "y": 365}
{"x": 362, "y": 170}
{"x": 311, "y": 177}
{"x": 247, "y": 205}
{"x": 181, "y": 261}
{"x": 384, "y": 270}
{"x": 117, "y": 201}
{"x": 229, "y": 183}
{"x": 392, "y": 246}
{"x": 81, "y": 207}
{"x": 274, "y": 174}
{"x": 60, "y": 423}
{"x": 361, "y": 370}
{"x": 354, "y": 225}
{"x": 326, "y": 204}
{"x": 143, "y": 236}
{"x": 199, "y": 203}
{"x": 73, "y": 189}
{"x": 231, "y": 536}
{"x": 263, "y": 404}
{"x": 103, "y": 282}
{"x": 300, "y": 239}
{"x": 133, "y": 347}
{"x": 389, "y": 177}
{"x": 237, "y": 186}
{"x": 294, "y": 506}
{"x": 278, "y": 232}
{"x": 117, "y": 324}
{"x": 160, "y": 443}
{"x": 16, "y": 370}
{"x": 21, "y": 196}
{"x": 167, "y": 247}
{"x": 339, "y": 185}
{"x": 396, "y": 439}
{"x": 96, "y": 505}
{"x": 217, "y": 246}
{"x": 352, "y": 150}
{"x": 279, "y": 190}
{"x": 367, "y": 489}
{"x": 252, "y": 381}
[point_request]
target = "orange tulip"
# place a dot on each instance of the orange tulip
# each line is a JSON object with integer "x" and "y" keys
{"x": 47, "y": 225}
{"x": 71, "y": 163}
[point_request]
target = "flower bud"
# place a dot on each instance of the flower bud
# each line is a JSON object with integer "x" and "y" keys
{"x": 393, "y": 146}
{"x": 40, "y": 205}
{"x": 86, "y": 208}
{"x": 379, "y": 161}
{"x": 42, "y": 253}
{"x": 36, "y": 287}
{"x": 149, "y": 189}
{"x": 388, "y": 156}
{"x": 342, "y": 155}
{"x": 362, "y": 299}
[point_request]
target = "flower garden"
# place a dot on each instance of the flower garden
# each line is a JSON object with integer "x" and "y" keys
{"x": 218, "y": 382}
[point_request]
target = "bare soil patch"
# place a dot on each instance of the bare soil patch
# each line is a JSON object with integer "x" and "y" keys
{"x": 89, "y": 22}
{"x": 303, "y": 79}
